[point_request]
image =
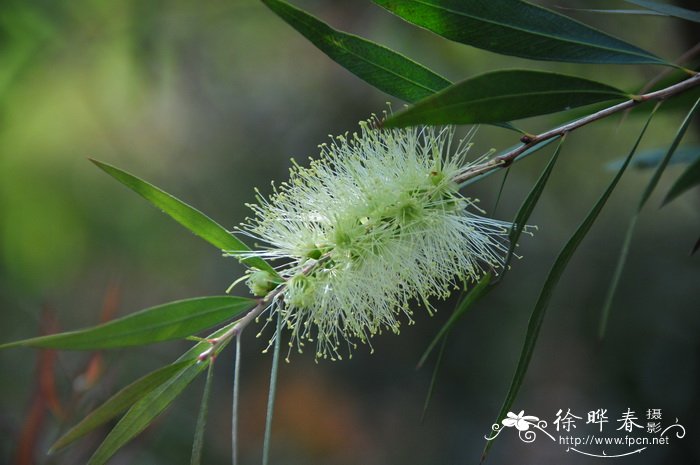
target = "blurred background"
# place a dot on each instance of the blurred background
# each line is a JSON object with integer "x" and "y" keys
{"x": 210, "y": 99}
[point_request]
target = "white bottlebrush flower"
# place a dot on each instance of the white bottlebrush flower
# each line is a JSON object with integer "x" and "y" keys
{"x": 376, "y": 222}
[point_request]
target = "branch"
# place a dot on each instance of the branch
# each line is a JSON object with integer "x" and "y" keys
{"x": 504, "y": 160}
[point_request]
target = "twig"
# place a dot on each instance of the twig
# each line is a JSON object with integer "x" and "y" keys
{"x": 504, "y": 160}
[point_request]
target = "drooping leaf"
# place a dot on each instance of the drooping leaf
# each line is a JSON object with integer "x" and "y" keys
{"x": 141, "y": 414}
{"x": 616, "y": 12}
{"x": 198, "y": 442}
{"x": 479, "y": 290}
{"x": 164, "y": 322}
{"x": 622, "y": 259}
{"x": 267, "y": 436}
{"x": 689, "y": 179}
{"x": 150, "y": 406}
{"x": 381, "y": 67}
{"x": 118, "y": 403}
{"x": 433, "y": 378}
{"x": 503, "y": 96}
{"x": 540, "y": 308}
{"x": 518, "y": 28}
{"x": 652, "y": 157}
{"x": 528, "y": 206}
{"x": 667, "y": 9}
{"x": 189, "y": 217}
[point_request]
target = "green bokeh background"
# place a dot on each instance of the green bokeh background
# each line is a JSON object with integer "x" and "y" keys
{"x": 209, "y": 100}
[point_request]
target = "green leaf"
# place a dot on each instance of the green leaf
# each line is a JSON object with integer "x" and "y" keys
{"x": 433, "y": 378}
{"x": 141, "y": 414}
{"x": 652, "y": 157}
{"x": 165, "y": 322}
{"x": 689, "y": 179}
{"x": 670, "y": 10}
{"x": 528, "y": 206}
{"x": 619, "y": 11}
{"x": 540, "y": 308}
{"x": 191, "y": 218}
{"x": 503, "y": 96}
{"x": 535, "y": 148}
{"x": 381, "y": 67}
{"x": 518, "y": 28}
{"x": 624, "y": 251}
{"x": 198, "y": 442}
{"x": 118, "y": 403}
{"x": 475, "y": 293}
{"x": 150, "y": 406}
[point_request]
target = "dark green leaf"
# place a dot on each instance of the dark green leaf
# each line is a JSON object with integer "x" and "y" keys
{"x": 610, "y": 295}
{"x": 165, "y": 322}
{"x": 670, "y": 10}
{"x": 540, "y": 308}
{"x": 504, "y": 96}
{"x": 619, "y": 12}
{"x": 118, "y": 403}
{"x": 475, "y": 293}
{"x": 433, "y": 378}
{"x": 689, "y": 179}
{"x": 141, "y": 414}
{"x": 198, "y": 442}
{"x": 526, "y": 209}
{"x": 517, "y": 28}
{"x": 381, "y": 67}
{"x": 147, "y": 409}
{"x": 191, "y": 218}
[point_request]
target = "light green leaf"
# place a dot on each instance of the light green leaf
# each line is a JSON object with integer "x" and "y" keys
{"x": 503, "y": 96}
{"x": 118, "y": 403}
{"x": 518, "y": 28}
{"x": 670, "y": 10}
{"x": 652, "y": 157}
{"x": 540, "y": 308}
{"x": 189, "y": 217}
{"x": 689, "y": 179}
{"x": 381, "y": 67}
{"x": 164, "y": 322}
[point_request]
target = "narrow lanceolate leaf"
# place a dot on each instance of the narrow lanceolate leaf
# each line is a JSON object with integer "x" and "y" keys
{"x": 651, "y": 158}
{"x": 526, "y": 209}
{"x": 475, "y": 293}
{"x": 624, "y": 251}
{"x": 381, "y": 67}
{"x": 689, "y": 179}
{"x": 540, "y": 308}
{"x": 119, "y": 403}
{"x": 165, "y": 322}
{"x": 197, "y": 444}
{"x": 191, "y": 218}
{"x": 518, "y": 28}
{"x": 150, "y": 406}
{"x": 503, "y": 96}
{"x": 670, "y": 10}
{"x": 141, "y": 414}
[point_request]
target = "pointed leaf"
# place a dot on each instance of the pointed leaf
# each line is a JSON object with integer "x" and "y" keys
{"x": 165, "y": 322}
{"x": 622, "y": 258}
{"x": 198, "y": 442}
{"x": 689, "y": 179}
{"x": 475, "y": 293}
{"x": 652, "y": 157}
{"x": 540, "y": 308}
{"x": 503, "y": 96}
{"x": 118, "y": 403}
{"x": 670, "y": 10}
{"x": 517, "y": 28}
{"x": 381, "y": 67}
{"x": 528, "y": 206}
{"x": 191, "y": 218}
{"x": 146, "y": 410}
